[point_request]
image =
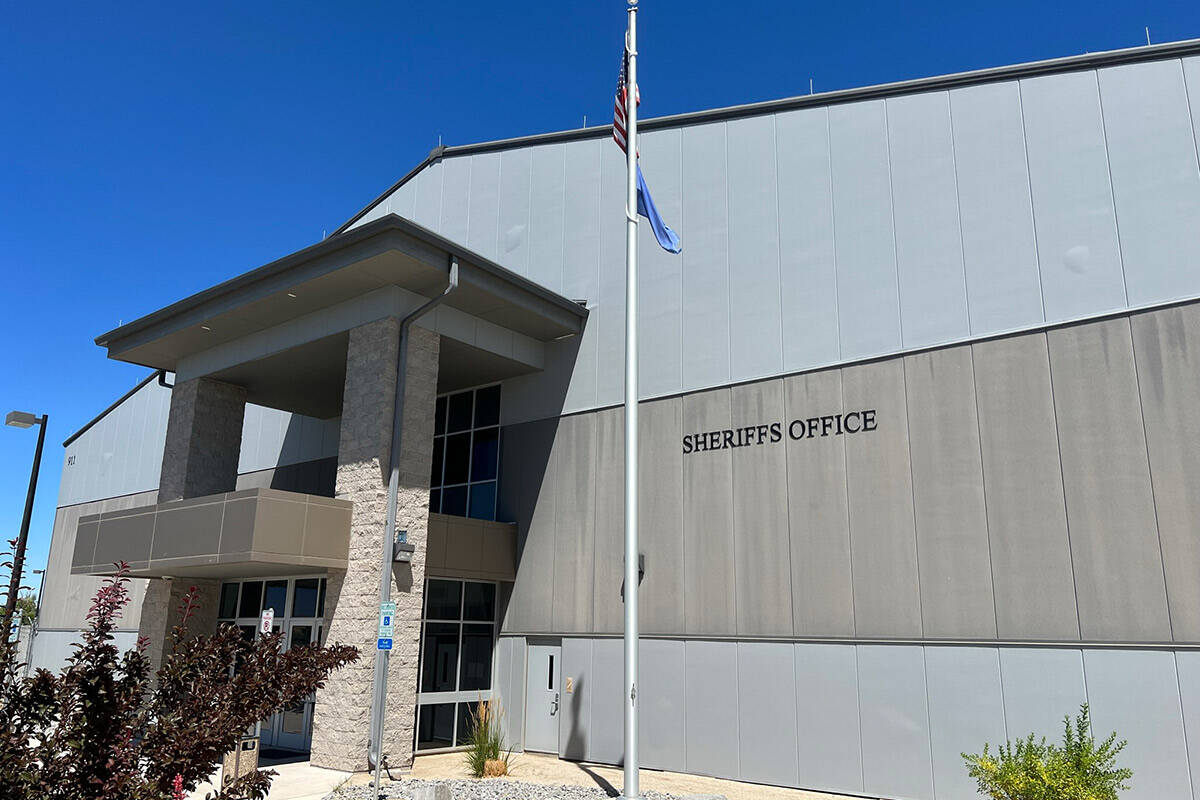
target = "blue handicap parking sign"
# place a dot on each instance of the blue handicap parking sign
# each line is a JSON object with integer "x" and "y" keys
{"x": 383, "y": 644}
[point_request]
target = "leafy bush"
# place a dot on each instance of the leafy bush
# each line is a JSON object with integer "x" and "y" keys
{"x": 1028, "y": 770}
{"x": 485, "y": 739}
{"x": 103, "y": 729}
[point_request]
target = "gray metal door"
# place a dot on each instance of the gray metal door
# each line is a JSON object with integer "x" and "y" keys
{"x": 541, "y": 698}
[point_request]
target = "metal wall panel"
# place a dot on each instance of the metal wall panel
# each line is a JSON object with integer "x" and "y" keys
{"x": 581, "y": 261}
{"x": 755, "y": 301}
{"x": 403, "y": 201}
{"x": 1114, "y": 537}
{"x": 762, "y": 552}
{"x": 547, "y": 205}
{"x": 929, "y": 261}
{"x": 529, "y": 608}
{"x": 882, "y": 539}
{"x": 1032, "y": 575}
{"x": 427, "y": 208}
{"x": 966, "y": 709}
{"x": 660, "y": 274}
{"x": 767, "y": 736}
{"x": 661, "y": 515}
{"x": 516, "y": 172}
{"x": 947, "y": 473}
{"x": 575, "y": 709}
{"x": 895, "y": 722}
{"x": 663, "y": 710}
{"x": 608, "y": 612}
{"x": 609, "y": 314}
{"x": 574, "y": 523}
{"x": 1040, "y": 687}
{"x": 1187, "y": 666}
{"x": 705, "y": 223}
{"x": 502, "y": 684}
{"x": 1004, "y": 289}
{"x": 807, "y": 269}
{"x": 483, "y": 205}
{"x": 822, "y": 586}
{"x": 607, "y": 719}
{"x": 712, "y": 735}
{"x": 1072, "y": 198}
{"x": 1136, "y": 694}
{"x": 868, "y": 299}
{"x": 827, "y": 717}
{"x": 1156, "y": 181}
{"x": 708, "y": 555}
{"x": 453, "y": 221}
{"x": 1166, "y": 346}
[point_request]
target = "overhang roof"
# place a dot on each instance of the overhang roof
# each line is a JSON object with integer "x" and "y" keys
{"x": 388, "y": 251}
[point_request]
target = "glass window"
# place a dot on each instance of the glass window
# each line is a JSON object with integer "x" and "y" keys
{"x": 276, "y": 597}
{"x": 458, "y": 459}
{"x": 435, "y": 500}
{"x": 479, "y": 601}
{"x": 439, "y": 661}
{"x": 458, "y": 417}
{"x": 304, "y": 597}
{"x": 483, "y": 501}
{"x": 487, "y": 406}
{"x": 301, "y": 635}
{"x": 443, "y": 599}
{"x": 475, "y": 671}
{"x": 435, "y": 469}
{"x": 251, "y": 599}
{"x": 467, "y": 713}
{"x": 485, "y": 452}
{"x": 321, "y": 600}
{"x": 454, "y": 501}
{"x": 435, "y": 726}
{"x": 439, "y": 416}
{"x": 228, "y": 605}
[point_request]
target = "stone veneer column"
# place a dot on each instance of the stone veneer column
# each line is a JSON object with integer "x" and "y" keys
{"x": 200, "y": 457}
{"x": 341, "y": 720}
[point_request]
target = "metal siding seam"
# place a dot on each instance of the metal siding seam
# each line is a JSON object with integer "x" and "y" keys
{"x": 1112, "y": 192}
{"x": 1187, "y": 98}
{"x": 1187, "y": 753}
{"x": 849, "y": 535}
{"x": 928, "y": 722}
{"x": 887, "y": 147}
{"x": 1003, "y": 702}
{"x": 912, "y": 493}
{"x": 837, "y": 305}
{"x": 962, "y": 251}
{"x": 862, "y": 769}
{"x": 1037, "y": 254}
{"x": 728, "y": 309}
{"x": 1063, "y": 485}
{"x": 987, "y": 525}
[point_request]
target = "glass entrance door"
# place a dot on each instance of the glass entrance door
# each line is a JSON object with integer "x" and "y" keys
{"x": 291, "y": 728}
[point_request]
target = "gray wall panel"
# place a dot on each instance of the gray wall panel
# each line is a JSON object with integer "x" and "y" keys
{"x": 1004, "y": 288}
{"x": 483, "y": 205}
{"x": 453, "y": 222}
{"x": 547, "y": 198}
{"x": 1136, "y": 693}
{"x": 661, "y": 515}
{"x": 514, "y": 711}
{"x": 502, "y": 683}
{"x": 966, "y": 709}
{"x": 1072, "y": 198}
{"x": 512, "y": 226}
{"x": 707, "y": 521}
{"x": 808, "y": 271}
{"x": 822, "y": 586}
{"x": 609, "y": 313}
{"x": 868, "y": 300}
{"x": 608, "y": 611}
{"x": 895, "y": 721}
{"x": 606, "y": 732}
{"x": 705, "y": 222}
{"x": 1022, "y": 476}
{"x": 581, "y": 260}
{"x": 575, "y": 709}
{"x": 882, "y": 539}
{"x": 755, "y": 303}
{"x": 1156, "y": 183}
{"x": 1040, "y": 687}
{"x": 660, "y": 274}
{"x": 663, "y": 722}
{"x": 1187, "y": 666}
{"x": 529, "y": 609}
{"x": 762, "y": 552}
{"x": 427, "y": 208}
{"x": 574, "y": 523}
{"x": 766, "y": 690}
{"x": 933, "y": 294}
{"x": 1110, "y": 511}
{"x": 710, "y": 672}
{"x": 1166, "y": 346}
{"x": 827, "y": 717}
{"x": 947, "y": 474}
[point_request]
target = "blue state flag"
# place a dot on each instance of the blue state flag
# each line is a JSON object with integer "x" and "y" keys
{"x": 667, "y": 239}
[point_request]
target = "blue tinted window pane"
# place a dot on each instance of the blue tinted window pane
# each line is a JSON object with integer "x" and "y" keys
{"x": 229, "y": 596}
{"x": 435, "y": 726}
{"x": 485, "y": 454}
{"x": 458, "y": 459}
{"x": 443, "y": 599}
{"x": 439, "y": 416}
{"x": 304, "y": 597}
{"x": 479, "y": 602}
{"x": 454, "y": 501}
{"x": 276, "y": 597}
{"x": 458, "y": 418}
{"x": 251, "y": 599}
{"x": 475, "y": 671}
{"x": 435, "y": 472}
{"x": 435, "y": 501}
{"x": 439, "y": 657}
{"x": 483, "y": 501}
{"x": 487, "y": 407}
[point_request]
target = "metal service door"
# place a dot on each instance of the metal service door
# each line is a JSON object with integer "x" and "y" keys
{"x": 541, "y": 698}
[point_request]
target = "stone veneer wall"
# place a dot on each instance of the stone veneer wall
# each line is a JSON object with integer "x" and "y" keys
{"x": 200, "y": 457}
{"x": 342, "y": 716}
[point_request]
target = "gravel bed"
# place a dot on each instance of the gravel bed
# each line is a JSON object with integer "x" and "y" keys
{"x": 461, "y": 789}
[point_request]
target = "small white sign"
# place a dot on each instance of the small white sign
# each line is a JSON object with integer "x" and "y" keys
{"x": 268, "y": 619}
{"x": 387, "y": 620}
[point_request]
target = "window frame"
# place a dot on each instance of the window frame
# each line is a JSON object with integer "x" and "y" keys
{"x": 440, "y": 441}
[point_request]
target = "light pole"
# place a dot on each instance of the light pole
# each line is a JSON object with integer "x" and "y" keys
{"x": 22, "y": 419}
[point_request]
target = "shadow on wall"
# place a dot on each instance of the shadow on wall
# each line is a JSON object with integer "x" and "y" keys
{"x": 576, "y": 745}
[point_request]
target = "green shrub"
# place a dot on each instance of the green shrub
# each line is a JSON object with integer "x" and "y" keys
{"x": 485, "y": 741}
{"x": 1079, "y": 769}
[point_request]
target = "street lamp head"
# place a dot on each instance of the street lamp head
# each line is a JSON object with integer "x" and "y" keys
{"x": 21, "y": 419}
{"x": 39, "y": 571}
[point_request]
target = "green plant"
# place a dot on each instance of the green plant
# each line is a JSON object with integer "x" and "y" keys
{"x": 1079, "y": 769}
{"x": 485, "y": 740}
{"x": 26, "y": 610}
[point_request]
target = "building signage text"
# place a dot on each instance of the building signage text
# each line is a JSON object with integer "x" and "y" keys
{"x": 850, "y": 423}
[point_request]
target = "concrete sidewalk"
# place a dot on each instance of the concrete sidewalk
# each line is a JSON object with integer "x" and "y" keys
{"x": 297, "y": 780}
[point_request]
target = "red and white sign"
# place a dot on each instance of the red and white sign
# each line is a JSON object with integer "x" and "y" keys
{"x": 268, "y": 619}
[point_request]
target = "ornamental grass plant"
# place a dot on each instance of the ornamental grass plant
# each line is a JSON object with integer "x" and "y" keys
{"x": 486, "y": 755}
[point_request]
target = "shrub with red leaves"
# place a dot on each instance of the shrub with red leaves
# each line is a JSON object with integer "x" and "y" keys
{"x": 104, "y": 730}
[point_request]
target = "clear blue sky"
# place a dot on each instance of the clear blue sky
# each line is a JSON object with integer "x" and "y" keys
{"x": 149, "y": 151}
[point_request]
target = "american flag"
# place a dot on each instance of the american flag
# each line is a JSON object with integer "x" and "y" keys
{"x": 619, "y": 103}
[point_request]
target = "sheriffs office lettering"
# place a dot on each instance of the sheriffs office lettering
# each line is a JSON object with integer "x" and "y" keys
{"x": 771, "y": 433}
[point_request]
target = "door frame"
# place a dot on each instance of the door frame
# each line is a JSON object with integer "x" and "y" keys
{"x": 540, "y": 641}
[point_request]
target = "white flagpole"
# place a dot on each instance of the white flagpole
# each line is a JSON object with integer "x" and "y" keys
{"x": 631, "y": 789}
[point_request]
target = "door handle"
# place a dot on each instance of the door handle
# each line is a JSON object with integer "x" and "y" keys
{"x": 554, "y": 705}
